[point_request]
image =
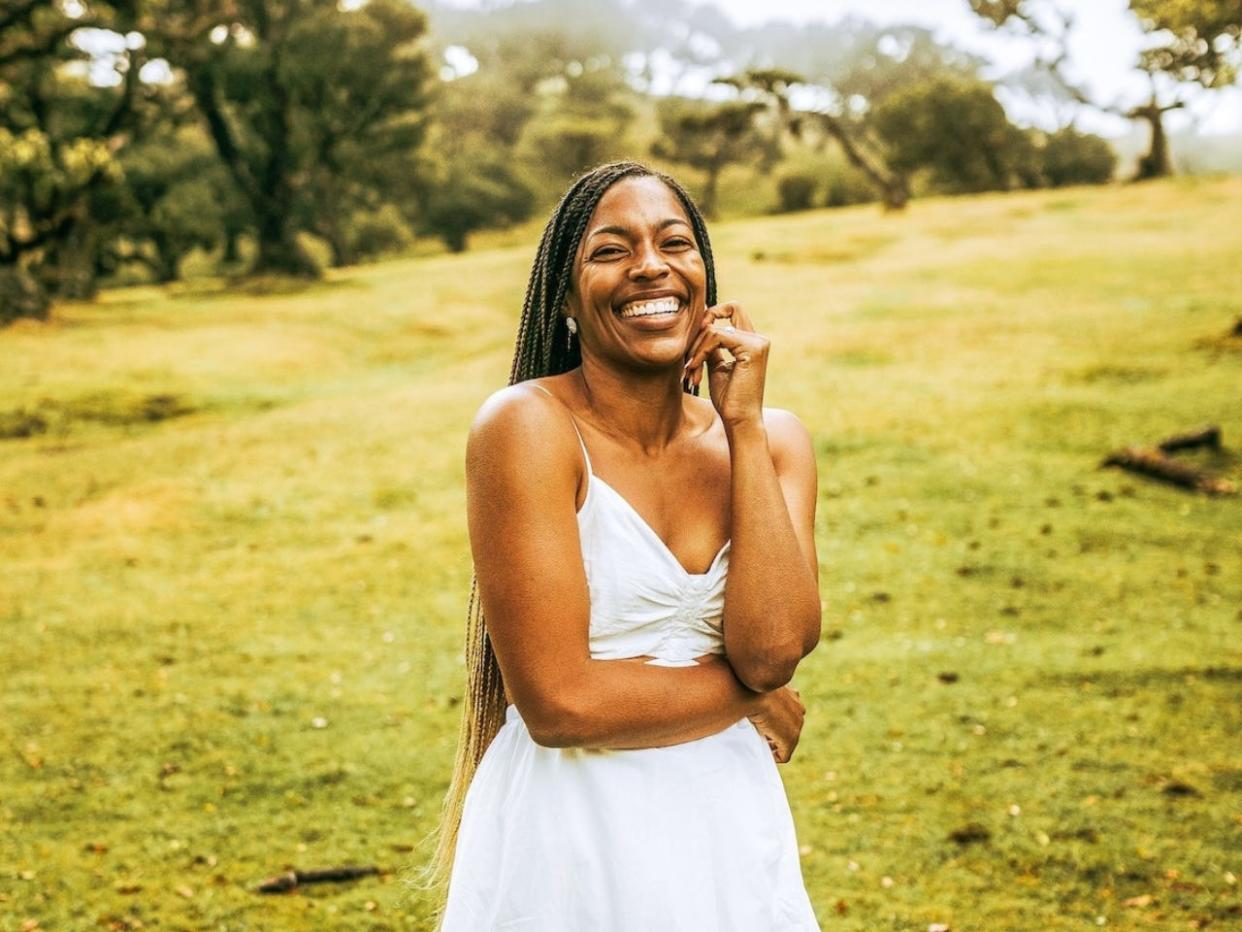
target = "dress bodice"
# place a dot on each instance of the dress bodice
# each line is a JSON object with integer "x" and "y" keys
{"x": 643, "y": 601}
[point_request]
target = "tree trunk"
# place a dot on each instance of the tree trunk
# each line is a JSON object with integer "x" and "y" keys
{"x": 894, "y": 193}
{"x": 68, "y": 267}
{"x": 232, "y": 247}
{"x": 167, "y": 258}
{"x": 280, "y": 253}
{"x": 267, "y": 190}
{"x": 893, "y": 187}
{"x": 710, "y": 190}
{"x": 330, "y": 230}
{"x": 21, "y": 295}
{"x": 1156, "y": 163}
{"x": 279, "y": 249}
{"x": 456, "y": 238}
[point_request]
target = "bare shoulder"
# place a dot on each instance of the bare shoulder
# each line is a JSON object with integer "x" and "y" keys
{"x": 788, "y": 438}
{"x": 522, "y": 427}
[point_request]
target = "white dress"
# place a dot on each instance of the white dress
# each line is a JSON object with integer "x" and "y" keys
{"x": 695, "y": 837}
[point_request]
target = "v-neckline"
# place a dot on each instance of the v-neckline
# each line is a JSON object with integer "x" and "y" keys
{"x": 651, "y": 532}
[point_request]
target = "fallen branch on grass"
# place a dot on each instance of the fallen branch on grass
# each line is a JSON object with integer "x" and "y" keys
{"x": 283, "y": 883}
{"x": 1207, "y": 436}
{"x": 1154, "y": 463}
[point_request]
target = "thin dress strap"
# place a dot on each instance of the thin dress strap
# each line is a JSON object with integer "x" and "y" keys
{"x": 572, "y": 420}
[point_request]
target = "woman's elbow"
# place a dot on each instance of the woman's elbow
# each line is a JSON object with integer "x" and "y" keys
{"x": 557, "y": 723}
{"x": 811, "y": 640}
{"x": 766, "y": 672}
{"x": 771, "y": 669}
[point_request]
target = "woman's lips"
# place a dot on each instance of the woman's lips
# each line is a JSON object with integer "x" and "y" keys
{"x": 660, "y": 313}
{"x": 649, "y": 307}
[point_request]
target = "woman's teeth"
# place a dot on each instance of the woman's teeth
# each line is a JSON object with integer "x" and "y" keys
{"x": 647, "y": 308}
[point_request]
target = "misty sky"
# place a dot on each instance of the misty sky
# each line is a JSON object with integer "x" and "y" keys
{"x": 1105, "y": 44}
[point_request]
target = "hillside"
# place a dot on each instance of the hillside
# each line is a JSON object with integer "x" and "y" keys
{"x": 235, "y": 570}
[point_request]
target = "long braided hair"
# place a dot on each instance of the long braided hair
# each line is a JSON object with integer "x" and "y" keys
{"x": 544, "y": 347}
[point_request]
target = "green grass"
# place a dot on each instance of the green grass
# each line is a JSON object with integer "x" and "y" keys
{"x": 233, "y": 571}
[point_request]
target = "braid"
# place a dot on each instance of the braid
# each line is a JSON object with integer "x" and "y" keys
{"x": 543, "y": 347}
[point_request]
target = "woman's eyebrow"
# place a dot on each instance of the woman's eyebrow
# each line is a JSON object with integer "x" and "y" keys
{"x": 625, "y": 231}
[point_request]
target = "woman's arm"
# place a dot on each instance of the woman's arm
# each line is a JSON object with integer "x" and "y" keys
{"x": 772, "y": 609}
{"x": 521, "y": 484}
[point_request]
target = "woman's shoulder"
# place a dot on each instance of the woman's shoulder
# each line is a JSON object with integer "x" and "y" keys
{"x": 524, "y": 422}
{"x": 788, "y": 438}
{"x": 784, "y": 422}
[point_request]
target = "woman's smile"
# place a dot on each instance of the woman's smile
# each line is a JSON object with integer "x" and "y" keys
{"x": 652, "y": 312}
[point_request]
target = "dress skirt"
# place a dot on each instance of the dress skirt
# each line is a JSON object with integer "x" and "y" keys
{"x": 695, "y": 837}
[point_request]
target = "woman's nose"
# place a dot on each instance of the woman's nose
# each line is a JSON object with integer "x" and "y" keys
{"x": 648, "y": 263}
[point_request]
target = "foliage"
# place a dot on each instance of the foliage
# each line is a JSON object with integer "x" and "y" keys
{"x": 314, "y": 109}
{"x": 361, "y": 85}
{"x": 582, "y": 123}
{"x": 1070, "y": 157}
{"x": 851, "y": 68}
{"x": 550, "y": 96}
{"x": 796, "y": 191}
{"x": 1197, "y": 41}
{"x": 170, "y": 204}
{"x": 708, "y": 137}
{"x": 954, "y": 128}
{"x": 378, "y": 233}
{"x": 847, "y": 186}
{"x": 464, "y": 197}
{"x": 58, "y": 138}
{"x": 1190, "y": 42}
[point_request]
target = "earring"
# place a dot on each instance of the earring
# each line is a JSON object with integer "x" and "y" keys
{"x": 571, "y": 326}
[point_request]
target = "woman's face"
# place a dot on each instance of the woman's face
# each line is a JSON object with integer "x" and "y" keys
{"x": 639, "y": 280}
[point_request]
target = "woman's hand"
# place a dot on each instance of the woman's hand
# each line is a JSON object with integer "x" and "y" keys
{"x": 736, "y": 359}
{"x": 780, "y": 721}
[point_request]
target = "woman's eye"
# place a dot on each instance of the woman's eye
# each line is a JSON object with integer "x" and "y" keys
{"x": 677, "y": 243}
{"x": 606, "y": 252}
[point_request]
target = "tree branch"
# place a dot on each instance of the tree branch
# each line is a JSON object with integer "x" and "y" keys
{"x": 203, "y": 87}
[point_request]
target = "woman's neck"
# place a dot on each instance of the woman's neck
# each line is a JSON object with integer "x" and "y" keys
{"x": 645, "y": 408}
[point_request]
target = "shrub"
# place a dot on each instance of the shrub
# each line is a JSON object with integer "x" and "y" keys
{"x": 848, "y": 186}
{"x": 955, "y": 129}
{"x": 1071, "y": 157}
{"x": 796, "y": 191}
{"x": 379, "y": 232}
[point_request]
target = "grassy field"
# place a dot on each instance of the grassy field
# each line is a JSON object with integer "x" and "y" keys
{"x": 233, "y": 572}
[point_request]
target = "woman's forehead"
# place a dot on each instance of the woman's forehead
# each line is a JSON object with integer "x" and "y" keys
{"x": 641, "y": 202}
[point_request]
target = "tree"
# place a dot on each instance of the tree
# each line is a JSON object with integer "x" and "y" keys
{"x": 551, "y": 93}
{"x": 59, "y": 135}
{"x": 292, "y": 93}
{"x": 955, "y": 128}
{"x": 471, "y": 195}
{"x": 708, "y": 137}
{"x": 582, "y": 122}
{"x": 1193, "y": 43}
{"x": 841, "y": 74}
{"x": 168, "y": 205}
{"x": 361, "y": 88}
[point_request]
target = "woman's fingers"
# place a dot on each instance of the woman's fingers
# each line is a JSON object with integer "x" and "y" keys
{"x": 725, "y": 333}
{"x": 731, "y": 311}
{"x": 728, "y": 336}
{"x": 728, "y": 311}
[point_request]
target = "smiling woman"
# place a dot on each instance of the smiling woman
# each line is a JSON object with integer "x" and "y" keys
{"x": 645, "y": 563}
